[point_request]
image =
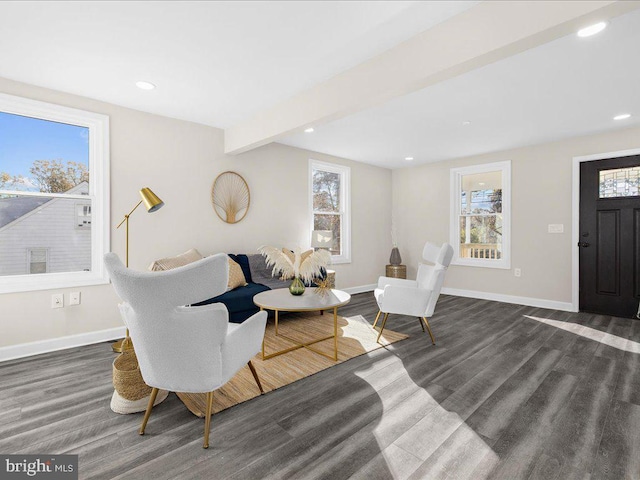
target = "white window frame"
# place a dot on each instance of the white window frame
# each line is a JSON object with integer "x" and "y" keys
{"x": 455, "y": 211}
{"x": 345, "y": 206}
{"x": 98, "y": 126}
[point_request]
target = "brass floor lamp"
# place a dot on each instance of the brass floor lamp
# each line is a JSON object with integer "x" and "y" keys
{"x": 152, "y": 203}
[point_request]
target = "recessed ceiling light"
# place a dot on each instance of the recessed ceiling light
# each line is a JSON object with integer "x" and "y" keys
{"x": 408, "y": 158}
{"x": 308, "y": 130}
{"x": 622, "y": 116}
{"x": 145, "y": 85}
{"x": 480, "y": 183}
{"x": 466, "y": 122}
{"x": 592, "y": 29}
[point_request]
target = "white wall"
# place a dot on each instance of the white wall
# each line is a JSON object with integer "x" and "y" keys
{"x": 541, "y": 194}
{"x": 179, "y": 160}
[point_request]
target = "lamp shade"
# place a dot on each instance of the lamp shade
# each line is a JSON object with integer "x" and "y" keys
{"x": 321, "y": 238}
{"x": 150, "y": 200}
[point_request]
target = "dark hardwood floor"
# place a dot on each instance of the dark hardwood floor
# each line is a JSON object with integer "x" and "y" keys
{"x": 502, "y": 395}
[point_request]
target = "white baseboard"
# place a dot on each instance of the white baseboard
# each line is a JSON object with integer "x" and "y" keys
{"x": 498, "y": 297}
{"x": 45, "y": 346}
{"x": 360, "y": 289}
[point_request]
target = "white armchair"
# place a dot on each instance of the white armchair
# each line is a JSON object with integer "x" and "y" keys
{"x": 416, "y": 298}
{"x": 182, "y": 348}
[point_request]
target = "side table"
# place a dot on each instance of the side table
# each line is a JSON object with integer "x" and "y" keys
{"x": 396, "y": 271}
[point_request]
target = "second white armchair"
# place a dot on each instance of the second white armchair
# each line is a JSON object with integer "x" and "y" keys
{"x": 416, "y": 298}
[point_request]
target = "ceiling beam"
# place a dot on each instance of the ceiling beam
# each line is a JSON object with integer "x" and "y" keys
{"x": 488, "y": 32}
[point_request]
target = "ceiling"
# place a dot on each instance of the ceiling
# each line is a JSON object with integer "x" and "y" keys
{"x": 214, "y": 63}
{"x": 220, "y": 63}
{"x": 569, "y": 87}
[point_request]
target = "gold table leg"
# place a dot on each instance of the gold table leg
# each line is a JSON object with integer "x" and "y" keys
{"x": 261, "y": 309}
{"x": 335, "y": 334}
{"x": 306, "y": 345}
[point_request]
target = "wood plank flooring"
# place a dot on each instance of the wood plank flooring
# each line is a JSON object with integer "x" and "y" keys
{"x": 501, "y": 396}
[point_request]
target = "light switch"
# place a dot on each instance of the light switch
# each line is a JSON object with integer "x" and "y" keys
{"x": 74, "y": 298}
{"x": 556, "y": 228}
{"x": 57, "y": 300}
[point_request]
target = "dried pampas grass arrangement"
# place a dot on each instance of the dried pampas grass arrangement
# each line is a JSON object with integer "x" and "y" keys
{"x": 288, "y": 264}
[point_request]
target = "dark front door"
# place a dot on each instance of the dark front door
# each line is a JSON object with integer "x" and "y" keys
{"x": 610, "y": 236}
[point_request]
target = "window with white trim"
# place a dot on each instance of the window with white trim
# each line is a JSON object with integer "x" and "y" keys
{"x": 329, "y": 188}
{"x": 480, "y": 227}
{"x": 54, "y": 195}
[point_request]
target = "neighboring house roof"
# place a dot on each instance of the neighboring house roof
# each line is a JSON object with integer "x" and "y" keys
{"x": 13, "y": 208}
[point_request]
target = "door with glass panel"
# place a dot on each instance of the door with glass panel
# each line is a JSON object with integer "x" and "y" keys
{"x": 609, "y": 239}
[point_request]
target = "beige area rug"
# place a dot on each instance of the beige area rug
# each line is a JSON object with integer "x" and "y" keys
{"x": 355, "y": 337}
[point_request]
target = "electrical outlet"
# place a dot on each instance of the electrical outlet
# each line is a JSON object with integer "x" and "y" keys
{"x": 517, "y": 272}
{"x": 57, "y": 300}
{"x": 74, "y": 298}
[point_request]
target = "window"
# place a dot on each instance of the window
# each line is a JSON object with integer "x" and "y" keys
{"x": 480, "y": 215}
{"x": 54, "y": 187}
{"x": 37, "y": 260}
{"x": 331, "y": 205}
{"x": 620, "y": 182}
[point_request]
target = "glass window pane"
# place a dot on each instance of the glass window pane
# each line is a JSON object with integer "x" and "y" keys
{"x": 620, "y": 182}
{"x": 38, "y": 260}
{"x": 481, "y": 193}
{"x": 329, "y": 222}
{"x": 326, "y": 191}
{"x": 38, "y": 255}
{"x": 38, "y": 267}
{"x": 42, "y": 156}
{"x": 32, "y": 225}
{"x": 486, "y": 201}
{"x": 481, "y": 236}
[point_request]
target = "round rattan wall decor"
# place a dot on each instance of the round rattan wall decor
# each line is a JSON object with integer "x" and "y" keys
{"x": 230, "y": 197}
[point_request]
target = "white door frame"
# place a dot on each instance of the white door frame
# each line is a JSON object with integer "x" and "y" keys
{"x": 575, "y": 217}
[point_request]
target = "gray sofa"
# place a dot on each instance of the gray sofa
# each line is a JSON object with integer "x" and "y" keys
{"x": 239, "y": 301}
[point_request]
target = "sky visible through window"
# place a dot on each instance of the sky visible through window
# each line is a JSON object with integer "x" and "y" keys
{"x": 24, "y": 140}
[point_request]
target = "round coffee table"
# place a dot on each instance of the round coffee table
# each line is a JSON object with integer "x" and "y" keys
{"x": 281, "y": 300}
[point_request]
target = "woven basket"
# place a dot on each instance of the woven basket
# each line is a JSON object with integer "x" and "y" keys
{"x": 127, "y": 378}
{"x": 124, "y": 407}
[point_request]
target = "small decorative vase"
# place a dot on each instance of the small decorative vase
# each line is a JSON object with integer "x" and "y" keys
{"x": 296, "y": 287}
{"x": 395, "y": 258}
